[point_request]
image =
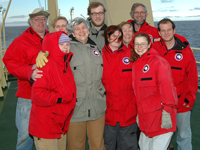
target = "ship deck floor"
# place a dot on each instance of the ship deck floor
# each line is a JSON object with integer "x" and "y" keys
{"x": 8, "y": 131}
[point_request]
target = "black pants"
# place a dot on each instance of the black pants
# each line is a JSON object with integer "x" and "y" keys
{"x": 121, "y": 138}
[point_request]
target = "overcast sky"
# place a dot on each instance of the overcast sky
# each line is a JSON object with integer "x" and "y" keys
{"x": 174, "y": 9}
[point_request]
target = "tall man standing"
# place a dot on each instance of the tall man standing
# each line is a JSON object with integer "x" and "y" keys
{"x": 176, "y": 50}
{"x": 20, "y": 61}
{"x": 96, "y": 12}
{"x": 139, "y": 14}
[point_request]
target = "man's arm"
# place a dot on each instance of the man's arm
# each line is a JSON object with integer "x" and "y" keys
{"x": 192, "y": 81}
{"x": 15, "y": 61}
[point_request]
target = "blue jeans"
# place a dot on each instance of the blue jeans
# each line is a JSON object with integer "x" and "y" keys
{"x": 184, "y": 134}
{"x": 24, "y": 141}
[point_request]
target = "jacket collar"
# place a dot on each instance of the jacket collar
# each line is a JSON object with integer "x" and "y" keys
{"x": 89, "y": 41}
{"x": 109, "y": 50}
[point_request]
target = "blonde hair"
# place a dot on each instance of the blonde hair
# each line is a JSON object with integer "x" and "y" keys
{"x": 56, "y": 19}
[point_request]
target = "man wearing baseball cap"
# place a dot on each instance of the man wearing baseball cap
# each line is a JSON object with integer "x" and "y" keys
{"x": 20, "y": 61}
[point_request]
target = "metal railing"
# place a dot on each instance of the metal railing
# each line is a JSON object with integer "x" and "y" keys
{"x": 197, "y": 49}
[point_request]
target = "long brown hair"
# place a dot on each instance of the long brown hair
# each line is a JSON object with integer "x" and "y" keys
{"x": 134, "y": 55}
{"x": 109, "y": 31}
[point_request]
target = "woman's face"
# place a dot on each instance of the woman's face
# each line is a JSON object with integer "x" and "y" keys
{"x": 113, "y": 40}
{"x": 65, "y": 47}
{"x": 141, "y": 45}
{"x": 81, "y": 33}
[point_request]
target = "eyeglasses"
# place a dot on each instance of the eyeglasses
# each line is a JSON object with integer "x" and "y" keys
{"x": 39, "y": 19}
{"x": 99, "y": 13}
{"x": 137, "y": 13}
{"x": 142, "y": 45}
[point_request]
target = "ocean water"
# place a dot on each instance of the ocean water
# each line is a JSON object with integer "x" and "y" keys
{"x": 189, "y": 29}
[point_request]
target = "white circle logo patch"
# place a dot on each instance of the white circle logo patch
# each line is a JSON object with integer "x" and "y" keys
{"x": 96, "y": 53}
{"x": 146, "y": 68}
{"x": 178, "y": 57}
{"x": 126, "y": 60}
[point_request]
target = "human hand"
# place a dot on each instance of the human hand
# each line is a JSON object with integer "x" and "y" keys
{"x": 137, "y": 120}
{"x": 41, "y": 59}
{"x": 166, "y": 120}
{"x": 36, "y": 74}
{"x": 186, "y": 105}
{"x": 34, "y": 67}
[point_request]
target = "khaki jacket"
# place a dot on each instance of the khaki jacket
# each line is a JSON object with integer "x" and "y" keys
{"x": 87, "y": 68}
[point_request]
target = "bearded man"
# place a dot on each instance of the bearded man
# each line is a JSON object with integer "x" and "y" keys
{"x": 139, "y": 14}
{"x": 96, "y": 12}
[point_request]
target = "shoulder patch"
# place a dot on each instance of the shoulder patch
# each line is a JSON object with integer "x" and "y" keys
{"x": 178, "y": 56}
{"x": 146, "y": 68}
{"x": 126, "y": 60}
{"x": 96, "y": 53}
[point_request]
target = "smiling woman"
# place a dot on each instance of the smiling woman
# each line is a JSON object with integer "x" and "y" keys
{"x": 87, "y": 67}
{"x": 156, "y": 96}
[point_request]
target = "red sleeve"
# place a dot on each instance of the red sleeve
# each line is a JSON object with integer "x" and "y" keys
{"x": 15, "y": 61}
{"x": 42, "y": 94}
{"x": 167, "y": 90}
{"x": 192, "y": 84}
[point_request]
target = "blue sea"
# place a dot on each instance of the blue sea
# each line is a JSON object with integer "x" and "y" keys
{"x": 189, "y": 29}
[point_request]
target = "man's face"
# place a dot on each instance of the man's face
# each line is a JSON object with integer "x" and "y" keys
{"x": 39, "y": 23}
{"x": 127, "y": 33}
{"x": 97, "y": 16}
{"x": 139, "y": 15}
{"x": 166, "y": 32}
{"x": 60, "y": 25}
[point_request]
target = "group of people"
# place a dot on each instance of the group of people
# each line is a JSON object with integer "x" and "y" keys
{"x": 102, "y": 83}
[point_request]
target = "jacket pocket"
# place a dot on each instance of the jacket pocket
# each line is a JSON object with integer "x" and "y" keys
{"x": 98, "y": 65}
{"x": 58, "y": 117}
{"x": 101, "y": 98}
{"x": 80, "y": 108}
{"x": 78, "y": 71}
{"x": 152, "y": 114}
{"x": 177, "y": 75}
{"x": 148, "y": 88}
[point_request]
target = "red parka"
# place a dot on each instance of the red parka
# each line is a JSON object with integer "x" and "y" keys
{"x": 183, "y": 68}
{"x": 145, "y": 28}
{"x": 117, "y": 80}
{"x": 53, "y": 95}
{"x": 154, "y": 91}
{"x": 20, "y": 57}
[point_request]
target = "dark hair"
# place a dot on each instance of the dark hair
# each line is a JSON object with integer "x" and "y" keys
{"x": 94, "y": 5}
{"x": 134, "y": 55}
{"x": 109, "y": 31}
{"x": 165, "y": 21}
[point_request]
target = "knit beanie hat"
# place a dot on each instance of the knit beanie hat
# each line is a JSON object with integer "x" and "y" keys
{"x": 64, "y": 39}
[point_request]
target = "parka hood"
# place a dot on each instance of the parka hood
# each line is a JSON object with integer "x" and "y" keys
{"x": 181, "y": 42}
{"x": 51, "y": 44}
